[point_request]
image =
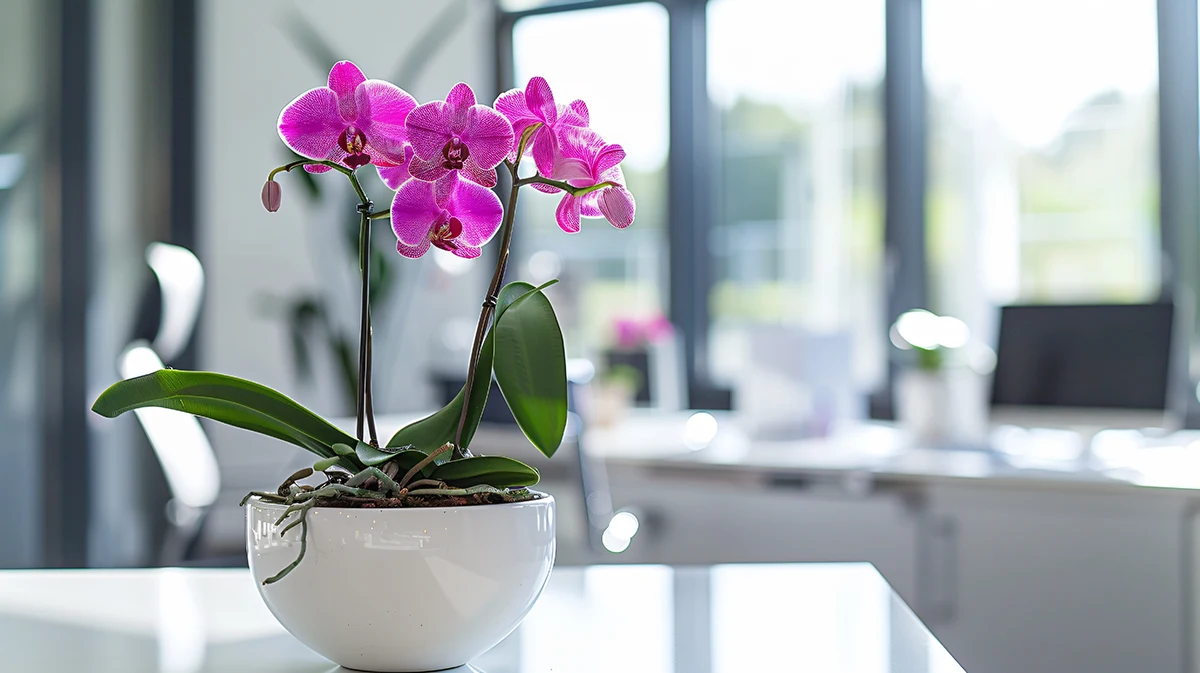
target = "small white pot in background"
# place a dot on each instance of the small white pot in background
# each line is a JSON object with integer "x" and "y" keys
{"x": 940, "y": 407}
{"x": 410, "y": 589}
{"x": 922, "y": 405}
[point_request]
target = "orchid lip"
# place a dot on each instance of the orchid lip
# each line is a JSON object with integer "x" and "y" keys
{"x": 455, "y": 153}
{"x": 443, "y": 235}
{"x": 353, "y": 141}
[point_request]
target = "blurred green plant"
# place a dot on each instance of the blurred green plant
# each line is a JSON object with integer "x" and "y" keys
{"x": 311, "y": 325}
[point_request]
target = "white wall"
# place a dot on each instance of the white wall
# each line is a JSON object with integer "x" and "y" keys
{"x": 250, "y": 69}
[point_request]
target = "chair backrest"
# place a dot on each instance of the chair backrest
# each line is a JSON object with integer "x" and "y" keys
{"x": 179, "y": 441}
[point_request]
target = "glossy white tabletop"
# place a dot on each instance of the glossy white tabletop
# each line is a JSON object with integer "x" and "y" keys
{"x": 833, "y": 618}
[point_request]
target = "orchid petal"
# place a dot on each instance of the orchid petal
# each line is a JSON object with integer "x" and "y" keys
{"x": 394, "y": 176}
{"x": 460, "y": 101}
{"x": 579, "y": 144}
{"x": 540, "y": 100}
{"x": 545, "y": 189}
{"x": 479, "y": 210}
{"x": 310, "y": 124}
{"x": 427, "y": 170}
{"x": 317, "y": 168}
{"x": 519, "y": 130}
{"x": 512, "y": 105}
{"x": 465, "y": 251}
{"x": 389, "y": 153}
{"x": 545, "y": 146}
{"x": 383, "y": 108}
{"x": 344, "y": 78}
{"x": 567, "y": 214}
{"x": 444, "y": 188}
{"x": 609, "y": 156}
{"x": 572, "y": 170}
{"x": 414, "y": 213}
{"x": 618, "y": 206}
{"x": 476, "y": 173}
{"x": 581, "y": 117}
{"x": 428, "y": 128}
{"x": 413, "y": 251}
{"x": 488, "y": 135}
{"x": 589, "y": 205}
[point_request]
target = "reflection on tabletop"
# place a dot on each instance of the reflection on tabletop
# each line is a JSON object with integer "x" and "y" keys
{"x": 824, "y": 617}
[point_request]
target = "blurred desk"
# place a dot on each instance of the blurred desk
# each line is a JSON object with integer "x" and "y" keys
{"x": 649, "y": 619}
{"x": 871, "y": 453}
{"x": 1032, "y": 557}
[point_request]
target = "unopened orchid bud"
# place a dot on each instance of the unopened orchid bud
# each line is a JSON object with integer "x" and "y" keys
{"x": 272, "y": 195}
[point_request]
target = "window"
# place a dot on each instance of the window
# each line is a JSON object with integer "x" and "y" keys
{"x": 603, "y": 277}
{"x": 1043, "y": 156}
{"x": 1040, "y": 172}
{"x": 796, "y": 87}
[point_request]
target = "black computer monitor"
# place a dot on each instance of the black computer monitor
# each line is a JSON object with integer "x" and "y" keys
{"x": 1111, "y": 362}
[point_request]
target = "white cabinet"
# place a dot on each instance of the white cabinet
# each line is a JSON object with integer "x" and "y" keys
{"x": 698, "y": 517}
{"x": 1056, "y": 582}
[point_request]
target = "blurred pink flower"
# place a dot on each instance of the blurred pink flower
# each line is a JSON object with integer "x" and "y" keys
{"x": 632, "y": 332}
{"x": 536, "y": 104}
{"x": 584, "y": 159}
{"x": 628, "y": 332}
{"x": 659, "y": 328}
{"x": 458, "y": 137}
{"x": 456, "y": 215}
{"x": 354, "y": 121}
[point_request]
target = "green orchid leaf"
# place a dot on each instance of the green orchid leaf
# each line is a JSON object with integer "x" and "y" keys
{"x": 531, "y": 368}
{"x": 227, "y": 399}
{"x": 497, "y": 471}
{"x": 434, "y": 430}
{"x": 516, "y": 291}
{"x": 369, "y": 455}
{"x": 405, "y": 457}
{"x": 325, "y": 464}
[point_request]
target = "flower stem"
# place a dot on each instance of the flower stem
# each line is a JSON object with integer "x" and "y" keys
{"x": 314, "y": 162}
{"x": 364, "y": 405}
{"x": 489, "y": 303}
{"x": 364, "y": 411}
{"x": 566, "y": 187}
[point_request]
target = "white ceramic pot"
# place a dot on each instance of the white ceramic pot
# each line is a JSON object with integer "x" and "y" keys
{"x": 400, "y": 590}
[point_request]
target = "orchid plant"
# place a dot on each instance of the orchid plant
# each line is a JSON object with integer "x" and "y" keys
{"x": 441, "y": 159}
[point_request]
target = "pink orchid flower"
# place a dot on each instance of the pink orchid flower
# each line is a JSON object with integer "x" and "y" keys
{"x": 583, "y": 160}
{"x": 354, "y": 121}
{"x": 536, "y": 104}
{"x": 456, "y": 136}
{"x": 458, "y": 216}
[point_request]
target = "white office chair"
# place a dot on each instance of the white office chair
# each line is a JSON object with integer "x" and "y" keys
{"x": 178, "y": 440}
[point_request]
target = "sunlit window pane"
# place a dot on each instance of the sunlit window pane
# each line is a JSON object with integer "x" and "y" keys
{"x": 797, "y": 87}
{"x": 619, "y": 68}
{"x": 1043, "y": 183}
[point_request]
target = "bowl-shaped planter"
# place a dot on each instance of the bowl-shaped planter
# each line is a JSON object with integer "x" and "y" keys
{"x": 404, "y": 589}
